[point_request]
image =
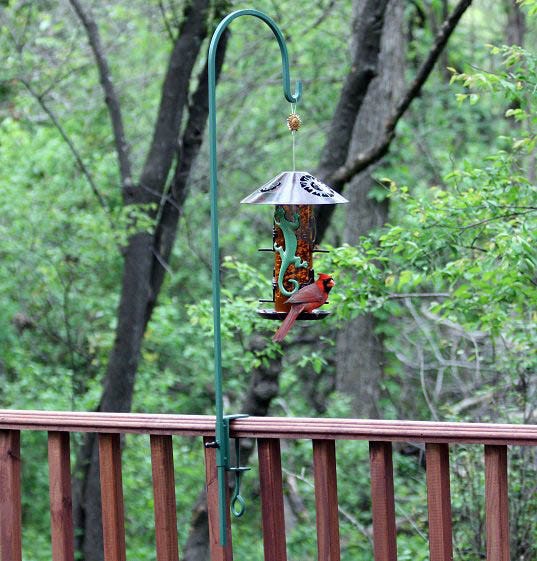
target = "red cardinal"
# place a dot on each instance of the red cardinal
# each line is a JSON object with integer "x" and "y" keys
{"x": 306, "y": 299}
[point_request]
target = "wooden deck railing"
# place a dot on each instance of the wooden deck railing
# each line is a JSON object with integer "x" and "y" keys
{"x": 268, "y": 432}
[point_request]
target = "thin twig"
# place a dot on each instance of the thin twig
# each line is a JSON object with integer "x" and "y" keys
{"x": 165, "y": 20}
{"x": 412, "y": 523}
{"x": 342, "y": 511}
{"x": 163, "y": 197}
{"x": 423, "y": 328}
{"x": 424, "y": 390}
{"x": 493, "y": 219}
{"x": 324, "y": 14}
{"x": 110, "y": 96}
{"x": 403, "y": 295}
{"x": 162, "y": 262}
{"x": 59, "y": 77}
{"x": 83, "y": 168}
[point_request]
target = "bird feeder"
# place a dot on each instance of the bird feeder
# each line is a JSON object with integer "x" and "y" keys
{"x": 294, "y": 194}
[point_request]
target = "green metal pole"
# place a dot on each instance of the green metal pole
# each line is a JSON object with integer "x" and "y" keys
{"x": 221, "y": 431}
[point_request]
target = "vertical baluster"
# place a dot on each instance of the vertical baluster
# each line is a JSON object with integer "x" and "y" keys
{"x": 112, "y": 497}
{"x": 326, "y": 501}
{"x": 496, "y": 503}
{"x": 383, "y": 503}
{"x": 10, "y": 496}
{"x": 270, "y": 477}
{"x": 218, "y": 553}
{"x": 164, "y": 494}
{"x": 439, "y": 502}
{"x": 61, "y": 511}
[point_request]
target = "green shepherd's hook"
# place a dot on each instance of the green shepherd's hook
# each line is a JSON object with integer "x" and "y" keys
{"x": 221, "y": 442}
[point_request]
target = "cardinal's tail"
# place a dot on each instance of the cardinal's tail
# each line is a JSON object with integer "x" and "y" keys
{"x": 287, "y": 323}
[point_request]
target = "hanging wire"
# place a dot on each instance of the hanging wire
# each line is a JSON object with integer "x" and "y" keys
{"x": 293, "y": 134}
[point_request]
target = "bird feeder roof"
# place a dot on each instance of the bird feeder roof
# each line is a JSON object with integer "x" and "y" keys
{"x": 294, "y": 188}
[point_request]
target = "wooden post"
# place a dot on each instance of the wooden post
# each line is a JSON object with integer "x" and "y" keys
{"x": 496, "y": 503}
{"x": 164, "y": 498}
{"x": 270, "y": 478}
{"x": 10, "y": 496}
{"x": 112, "y": 497}
{"x": 218, "y": 552}
{"x": 383, "y": 502}
{"x": 439, "y": 502}
{"x": 61, "y": 505}
{"x": 326, "y": 501}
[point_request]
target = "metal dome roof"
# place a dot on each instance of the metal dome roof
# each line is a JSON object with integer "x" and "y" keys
{"x": 294, "y": 188}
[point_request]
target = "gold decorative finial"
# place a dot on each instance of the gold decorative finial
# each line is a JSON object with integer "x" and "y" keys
{"x": 293, "y": 122}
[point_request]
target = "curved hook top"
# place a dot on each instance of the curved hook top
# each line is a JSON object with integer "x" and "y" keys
{"x": 292, "y": 98}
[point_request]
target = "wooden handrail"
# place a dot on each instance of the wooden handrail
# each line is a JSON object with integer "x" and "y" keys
{"x": 268, "y": 431}
{"x": 273, "y": 427}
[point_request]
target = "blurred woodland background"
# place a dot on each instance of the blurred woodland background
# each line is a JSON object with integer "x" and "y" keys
{"x": 422, "y": 112}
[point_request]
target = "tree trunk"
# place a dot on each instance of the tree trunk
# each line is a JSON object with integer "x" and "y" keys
{"x": 358, "y": 162}
{"x": 144, "y": 255}
{"x": 360, "y": 354}
{"x": 365, "y": 47}
{"x": 515, "y": 29}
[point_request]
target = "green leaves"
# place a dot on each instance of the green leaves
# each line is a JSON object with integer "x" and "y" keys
{"x": 531, "y": 5}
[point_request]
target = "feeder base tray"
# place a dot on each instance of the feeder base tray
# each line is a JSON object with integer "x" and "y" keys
{"x": 272, "y": 314}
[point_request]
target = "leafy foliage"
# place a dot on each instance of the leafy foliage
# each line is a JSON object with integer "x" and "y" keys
{"x": 451, "y": 279}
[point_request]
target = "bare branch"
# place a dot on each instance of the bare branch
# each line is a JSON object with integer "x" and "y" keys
{"x": 507, "y": 216}
{"x": 363, "y": 70}
{"x": 83, "y": 168}
{"x": 366, "y": 531}
{"x": 405, "y": 295}
{"x": 60, "y": 77}
{"x": 166, "y": 21}
{"x": 364, "y": 159}
{"x": 325, "y": 13}
{"x": 110, "y": 96}
{"x": 424, "y": 390}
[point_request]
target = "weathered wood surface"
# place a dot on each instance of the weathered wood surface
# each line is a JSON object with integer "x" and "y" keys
{"x": 113, "y": 514}
{"x": 273, "y": 427}
{"x": 218, "y": 552}
{"x": 323, "y": 432}
{"x": 382, "y": 501}
{"x": 439, "y": 502}
{"x": 496, "y": 503}
{"x": 272, "y": 511}
{"x": 10, "y": 496}
{"x": 326, "y": 500}
{"x": 164, "y": 498}
{"x": 61, "y": 504}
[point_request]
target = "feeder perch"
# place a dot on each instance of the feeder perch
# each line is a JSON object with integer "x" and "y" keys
{"x": 294, "y": 193}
